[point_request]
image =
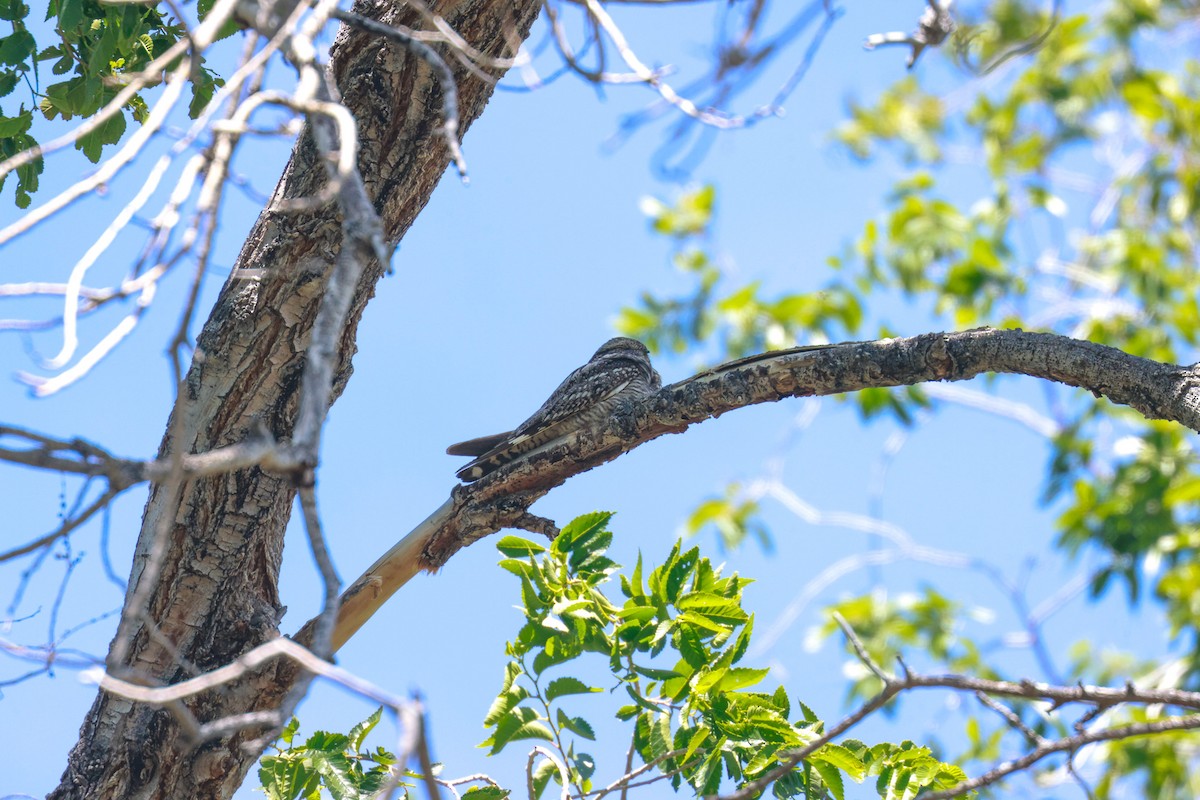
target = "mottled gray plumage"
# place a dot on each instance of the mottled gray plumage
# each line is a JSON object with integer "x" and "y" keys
{"x": 620, "y": 368}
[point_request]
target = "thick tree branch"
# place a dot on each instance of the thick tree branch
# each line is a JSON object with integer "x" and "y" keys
{"x": 501, "y": 499}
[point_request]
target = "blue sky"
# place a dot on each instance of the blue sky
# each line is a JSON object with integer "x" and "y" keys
{"x": 501, "y": 288}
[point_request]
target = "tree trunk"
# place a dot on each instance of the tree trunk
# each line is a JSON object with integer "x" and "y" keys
{"x": 215, "y": 596}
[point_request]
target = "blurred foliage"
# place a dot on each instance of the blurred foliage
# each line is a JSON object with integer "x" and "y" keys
{"x": 1057, "y": 187}
{"x": 733, "y": 516}
{"x": 890, "y": 629}
{"x": 673, "y": 648}
{"x": 87, "y": 49}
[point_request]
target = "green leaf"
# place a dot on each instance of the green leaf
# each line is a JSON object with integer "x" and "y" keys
{"x": 831, "y": 778}
{"x": 741, "y": 677}
{"x": 542, "y": 773}
{"x": 15, "y": 126}
{"x": 580, "y": 529}
{"x": 359, "y": 732}
{"x": 509, "y": 698}
{"x": 561, "y": 687}
{"x": 327, "y": 742}
{"x": 289, "y": 730}
{"x": 334, "y": 769}
{"x": 518, "y": 547}
{"x": 519, "y": 723}
{"x": 680, "y": 571}
{"x": 17, "y": 47}
{"x": 13, "y": 10}
{"x": 842, "y": 758}
{"x": 698, "y": 737}
{"x": 700, "y": 621}
{"x": 70, "y": 14}
{"x": 487, "y": 793}
{"x": 576, "y": 725}
{"x": 109, "y": 132}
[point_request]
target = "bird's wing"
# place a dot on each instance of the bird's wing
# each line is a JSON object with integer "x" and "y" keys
{"x": 579, "y": 392}
{"x": 585, "y": 387}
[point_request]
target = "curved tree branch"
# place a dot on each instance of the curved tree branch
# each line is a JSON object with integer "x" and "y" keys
{"x": 501, "y": 499}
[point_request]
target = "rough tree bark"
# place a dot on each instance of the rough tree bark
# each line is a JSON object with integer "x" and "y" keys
{"x": 215, "y": 596}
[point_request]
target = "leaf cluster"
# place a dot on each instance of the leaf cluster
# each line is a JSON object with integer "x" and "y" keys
{"x": 335, "y": 762}
{"x": 76, "y": 66}
{"x": 673, "y": 648}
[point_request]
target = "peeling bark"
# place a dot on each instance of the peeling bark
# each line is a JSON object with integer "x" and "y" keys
{"x": 216, "y": 594}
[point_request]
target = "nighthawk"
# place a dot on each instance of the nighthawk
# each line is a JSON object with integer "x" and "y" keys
{"x": 620, "y": 369}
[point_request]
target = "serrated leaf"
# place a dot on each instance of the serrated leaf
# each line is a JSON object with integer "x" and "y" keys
{"x": 635, "y": 580}
{"x": 13, "y": 10}
{"x": 832, "y": 779}
{"x": 14, "y": 126}
{"x": 16, "y": 47}
{"x": 109, "y": 132}
{"x": 642, "y": 702}
{"x": 504, "y": 703}
{"x": 561, "y": 687}
{"x": 519, "y": 723}
{"x": 486, "y": 793}
{"x": 698, "y": 737}
{"x": 637, "y": 613}
{"x": 660, "y": 735}
{"x": 701, "y": 621}
{"x": 843, "y": 759}
{"x": 585, "y": 765}
{"x": 578, "y": 529}
{"x": 327, "y": 742}
{"x": 741, "y": 677}
{"x": 743, "y": 641}
{"x": 780, "y": 699}
{"x": 568, "y": 605}
{"x": 516, "y": 547}
{"x": 577, "y": 725}
{"x": 359, "y": 732}
{"x": 289, "y": 730}
{"x": 679, "y": 573}
{"x": 334, "y": 769}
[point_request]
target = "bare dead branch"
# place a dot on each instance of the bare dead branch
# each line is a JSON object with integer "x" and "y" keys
{"x": 68, "y": 525}
{"x": 245, "y": 665}
{"x": 908, "y": 681}
{"x": 935, "y": 25}
{"x": 1068, "y": 745}
{"x": 539, "y": 525}
{"x": 424, "y": 759}
{"x": 1011, "y": 717}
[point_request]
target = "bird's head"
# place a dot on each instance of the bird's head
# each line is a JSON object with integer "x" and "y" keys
{"x": 622, "y": 347}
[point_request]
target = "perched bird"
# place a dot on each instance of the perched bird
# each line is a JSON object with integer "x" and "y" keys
{"x": 620, "y": 368}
